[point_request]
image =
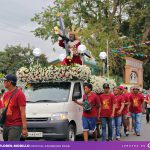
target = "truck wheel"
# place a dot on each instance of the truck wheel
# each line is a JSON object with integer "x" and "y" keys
{"x": 71, "y": 134}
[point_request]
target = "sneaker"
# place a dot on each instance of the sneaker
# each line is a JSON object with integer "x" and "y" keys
{"x": 138, "y": 134}
{"x": 127, "y": 133}
{"x": 117, "y": 139}
{"x": 109, "y": 140}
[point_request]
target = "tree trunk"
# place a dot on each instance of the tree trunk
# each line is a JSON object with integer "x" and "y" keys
{"x": 147, "y": 28}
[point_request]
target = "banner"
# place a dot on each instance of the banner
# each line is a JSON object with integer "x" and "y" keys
{"x": 42, "y": 145}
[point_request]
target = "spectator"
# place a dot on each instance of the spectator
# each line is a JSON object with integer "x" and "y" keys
{"x": 15, "y": 124}
{"x": 118, "y": 112}
{"x": 125, "y": 112}
{"x": 136, "y": 107}
{"x": 147, "y": 107}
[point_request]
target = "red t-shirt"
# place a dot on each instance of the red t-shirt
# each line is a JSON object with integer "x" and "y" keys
{"x": 94, "y": 101}
{"x": 119, "y": 100}
{"x": 107, "y": 101}
{"x": 13, "y": 115}
{"x": 126, "y": 98}
{"x": 148, "y": 97}
{"x": 1, "y": 104}
{"x": 136, "y": 101}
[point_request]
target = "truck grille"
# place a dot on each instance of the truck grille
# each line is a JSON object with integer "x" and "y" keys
{"x": 36, "y": 119}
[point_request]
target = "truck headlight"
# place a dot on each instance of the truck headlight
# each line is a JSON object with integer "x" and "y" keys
{"x": 59, "y": 116}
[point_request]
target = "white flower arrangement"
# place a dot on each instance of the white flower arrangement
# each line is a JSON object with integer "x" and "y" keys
{"x": 98, "y": 81}
{"x": 64, "y": 73}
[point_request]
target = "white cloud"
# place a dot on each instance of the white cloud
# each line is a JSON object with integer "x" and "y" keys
{"x": 15, "y": 25}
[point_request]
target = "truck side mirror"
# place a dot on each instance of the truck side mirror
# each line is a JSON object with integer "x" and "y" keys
{"x": 76, "y": 95}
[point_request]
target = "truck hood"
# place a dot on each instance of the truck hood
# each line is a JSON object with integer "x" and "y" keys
{"x": 43, "y": 109}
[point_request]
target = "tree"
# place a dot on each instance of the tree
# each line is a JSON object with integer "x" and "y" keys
{"x": 100, "y": 21}
{"x": 14, "y": 57}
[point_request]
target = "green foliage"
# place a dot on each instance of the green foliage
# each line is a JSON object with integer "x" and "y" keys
{"x": 1, "y": 75}
{"x": 14, "y": 57}
{"x": 100, "y": 21}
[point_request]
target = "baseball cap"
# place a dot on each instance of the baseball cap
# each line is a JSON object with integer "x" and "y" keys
{"x": 105, "y": 85}
{"x": 121, "y": 87}
{"x": 11, "y": 77}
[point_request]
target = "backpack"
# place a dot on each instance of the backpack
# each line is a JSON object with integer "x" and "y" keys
{"x": 86, "y": 105}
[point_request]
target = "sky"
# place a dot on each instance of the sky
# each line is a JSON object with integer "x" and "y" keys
{"x": 16, "y": 26}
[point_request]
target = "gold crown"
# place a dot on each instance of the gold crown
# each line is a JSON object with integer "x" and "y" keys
{"x": 74, "y": 30}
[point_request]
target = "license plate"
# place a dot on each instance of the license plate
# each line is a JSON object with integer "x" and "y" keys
{"x": 35, "y": 134}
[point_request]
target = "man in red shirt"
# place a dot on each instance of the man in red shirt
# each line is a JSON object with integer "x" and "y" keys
{"x": 107, "y": 110}
{"x": 136, "y": 108}
{"x": 15, "y": 124}
{"x": 89, "y": 118}
{"x": 147, "y": 100}
{"x": 118, "y": 111}
{"x": 125, "y": 112}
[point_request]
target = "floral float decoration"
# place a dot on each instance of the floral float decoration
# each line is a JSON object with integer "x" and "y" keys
{"x": 98, "y": 81}
{"x": 63, "y": 73}
{"x": 37, "y": 73}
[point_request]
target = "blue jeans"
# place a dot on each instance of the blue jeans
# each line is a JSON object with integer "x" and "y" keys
{"x": 117, "y": 125}
{"x": 107, "y": 121}
{"x": 137, "y": 118}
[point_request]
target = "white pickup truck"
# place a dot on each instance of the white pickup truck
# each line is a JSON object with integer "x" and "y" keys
{"x": 51, "y": 113}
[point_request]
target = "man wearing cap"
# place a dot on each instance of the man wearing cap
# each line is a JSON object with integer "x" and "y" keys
{"x": 125, "y": 112}
{"x": 136, "y": 108}
{"x": 107, "y": 110}
{"x": 118, "y": 112}
{"x": 15, "y": 124}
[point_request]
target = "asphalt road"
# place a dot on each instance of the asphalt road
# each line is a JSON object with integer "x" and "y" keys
{"x": 145, "y": 134}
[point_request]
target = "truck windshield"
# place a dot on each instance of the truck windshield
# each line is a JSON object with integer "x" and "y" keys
{"x": 51, "y": 92}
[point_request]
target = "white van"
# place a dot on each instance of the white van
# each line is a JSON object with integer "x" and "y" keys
{"x": 51, "y": 113}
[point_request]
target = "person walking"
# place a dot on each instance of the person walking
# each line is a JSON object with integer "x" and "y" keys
{"x": 147, "y": 100}
{"x": 89, "y": 118}
{"x": 118, "y": 112}
{"x": 15, "y": 124}
{"x": 125, "y": 112}
{"x": 107, "y": 110}
{"x": 136, "y": 101}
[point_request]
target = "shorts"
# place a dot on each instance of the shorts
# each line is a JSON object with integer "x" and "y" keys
{"x": 12, "y": 133}
{"x": 89, "y": 124}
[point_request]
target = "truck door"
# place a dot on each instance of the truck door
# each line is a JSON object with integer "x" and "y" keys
{"x": 78, "y": 109}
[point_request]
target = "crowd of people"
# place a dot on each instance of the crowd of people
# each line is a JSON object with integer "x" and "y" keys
{"x": 114, "y": 110}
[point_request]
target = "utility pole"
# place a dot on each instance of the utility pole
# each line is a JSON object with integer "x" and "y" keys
{"x": 107, "y": 43}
